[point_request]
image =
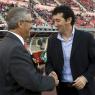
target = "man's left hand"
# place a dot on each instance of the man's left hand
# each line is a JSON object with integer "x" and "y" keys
{"x": 80, "y": 82}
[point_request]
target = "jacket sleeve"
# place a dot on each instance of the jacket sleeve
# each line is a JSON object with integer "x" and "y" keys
{"x": 90, "y": 73}
{"x": 23, "y": 71}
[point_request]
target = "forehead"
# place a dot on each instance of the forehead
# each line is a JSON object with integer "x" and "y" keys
{"x": 58, "y": 16}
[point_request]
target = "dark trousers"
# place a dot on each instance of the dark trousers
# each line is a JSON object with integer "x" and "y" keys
{"x": 66, "y": 89}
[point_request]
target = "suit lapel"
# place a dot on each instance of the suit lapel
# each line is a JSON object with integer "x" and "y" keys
{"x": 75, "y": 42}
{"x": 59, "y": 53}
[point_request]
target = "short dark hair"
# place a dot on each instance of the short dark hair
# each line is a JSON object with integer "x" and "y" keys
{"x": 67, "y": 12}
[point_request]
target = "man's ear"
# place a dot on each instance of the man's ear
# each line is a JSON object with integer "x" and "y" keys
{"x": 69, "y": 20}
{"x": 19, "y": 24}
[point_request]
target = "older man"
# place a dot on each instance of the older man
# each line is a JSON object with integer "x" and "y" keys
{"x": 18, "y": 75}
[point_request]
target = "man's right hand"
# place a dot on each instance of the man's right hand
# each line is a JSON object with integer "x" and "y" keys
{"x": 54, "y": 75}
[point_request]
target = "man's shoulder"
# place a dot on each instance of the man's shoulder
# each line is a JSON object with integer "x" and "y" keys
{"x": 83, "y": 33}
{"x": 53, "y": 36}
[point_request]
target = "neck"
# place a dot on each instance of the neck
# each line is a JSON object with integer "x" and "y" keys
{"x": 68, "y": 32}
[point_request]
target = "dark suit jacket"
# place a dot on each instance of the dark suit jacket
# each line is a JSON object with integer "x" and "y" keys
{"x": 18, "y": 75}
{"x": 82, "y": 60}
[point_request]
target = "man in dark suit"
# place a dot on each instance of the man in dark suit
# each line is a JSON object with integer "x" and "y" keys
{"x": 18, "y": 75}
{"x": 71, "y": 55}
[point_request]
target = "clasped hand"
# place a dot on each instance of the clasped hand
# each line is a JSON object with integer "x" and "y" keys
{"x": 54, "y": 75}
{"x": 80, "y": 82}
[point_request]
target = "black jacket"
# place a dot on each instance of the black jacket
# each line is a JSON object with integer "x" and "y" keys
{"x": 82, "y": 60}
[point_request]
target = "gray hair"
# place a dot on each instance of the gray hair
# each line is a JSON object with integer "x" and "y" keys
{"x": 15, "y": 15}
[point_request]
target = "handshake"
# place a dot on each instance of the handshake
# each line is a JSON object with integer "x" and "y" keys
{"x": 54, "y": 75}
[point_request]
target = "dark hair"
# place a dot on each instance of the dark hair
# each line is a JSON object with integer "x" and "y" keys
{"x": 67, "y": 12}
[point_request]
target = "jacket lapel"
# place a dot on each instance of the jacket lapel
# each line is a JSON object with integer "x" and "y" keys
{"x": 75, "y": 42}
{"x": 59, "y": 53}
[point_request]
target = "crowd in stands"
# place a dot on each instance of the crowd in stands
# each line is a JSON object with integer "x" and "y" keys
{"x": 42, "y": 16}
{"x": 48, "y": 2}
{"x": 85, "y": 3}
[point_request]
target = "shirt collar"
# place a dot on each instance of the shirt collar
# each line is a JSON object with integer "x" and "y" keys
{"x": 18, "y": 36}
{"x": 60, "y": 38}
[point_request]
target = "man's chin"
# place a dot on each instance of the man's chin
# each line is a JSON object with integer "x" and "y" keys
{"x": 59, "y": 30}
